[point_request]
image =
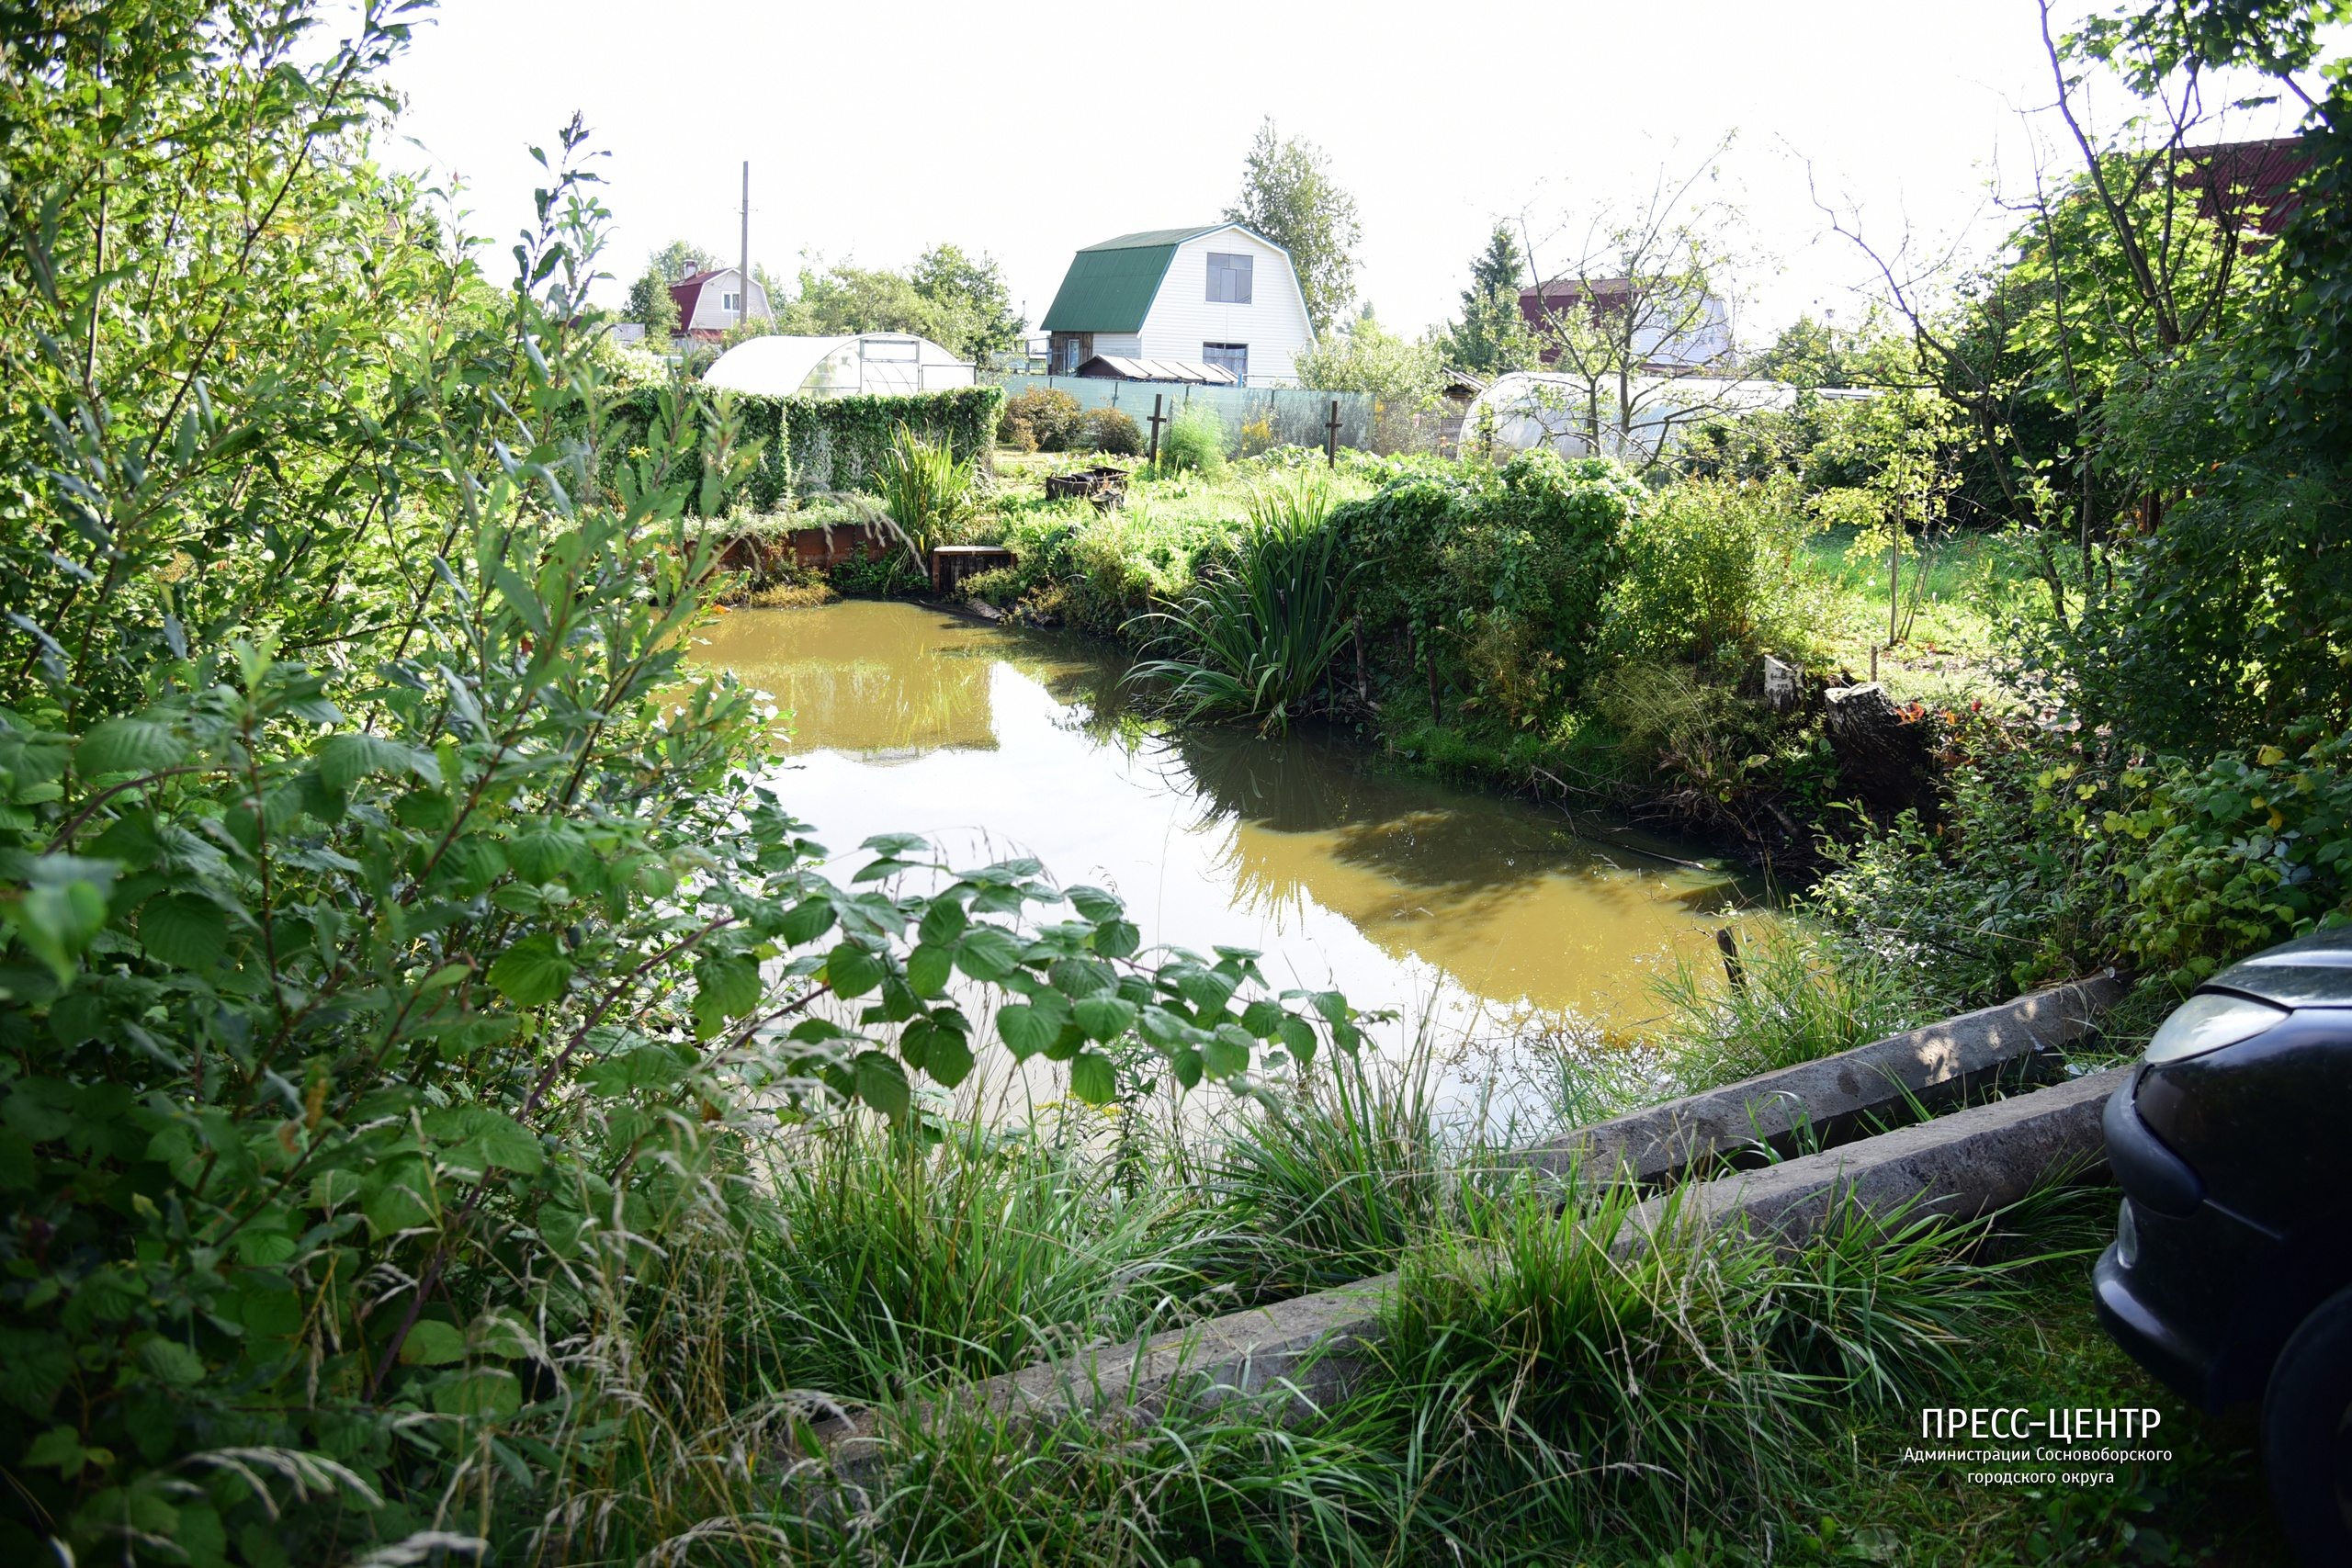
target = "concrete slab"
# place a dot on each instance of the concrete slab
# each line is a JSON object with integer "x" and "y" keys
{"x": 1960, "y": 1166}
{"x": 1832, "y": 1099}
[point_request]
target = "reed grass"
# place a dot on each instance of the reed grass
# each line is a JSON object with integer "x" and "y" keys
{"x": 1256, "y": 634}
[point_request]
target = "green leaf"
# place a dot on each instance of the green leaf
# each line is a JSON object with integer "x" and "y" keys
{"x": 1227, "y": 1052}
{"x": 1117, "y": 938}
{"x": 1034, "y": 1026}
{"x": 129, "y": 746}
{"x": 171, "y": 1362}
{"x": 346, "y": 759}
{"x": 808, "y": 921}
{"x": 183, "y": 932}
{"x": 853, "y": 971}
{"x": 492, "y": 1393}
{"x": 1104, "y": 1017}
{"x": 1163, "y": 1028}
{"x": 726, "y": 986}
{"x": 1093, "y": 1078}
{"x": 533, "y": 971}
{"x": 16, "y": 1161}
{"x": 893, "y": 845}
{"x": 1297, "y": 1034}
{"x": 62, "y": 911}
{"x": 988, "y": 952}
{"x": 946, "y": 1055}
{"x": 882, "y": 1084}
{"x": 1204, "y": 988}
{"x": 399, "y": 1197}
{"x": 943, "y": 921}
{"x": 431, "y": 1343}
{"x": 60, "y": 1448}
{"x": 1094, "y": 905}
{"x": 505, "y": 1141}
{"x": 929, "y": 969}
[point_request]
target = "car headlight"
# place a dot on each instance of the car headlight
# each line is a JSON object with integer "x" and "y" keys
{"x": 2209, "y": 1022}
{"x": 2127, "y": 1236}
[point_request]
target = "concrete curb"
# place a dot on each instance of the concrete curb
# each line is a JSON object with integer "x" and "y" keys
{"x": 1960, "y": 1166}
{"x": 1829, "y": 1099}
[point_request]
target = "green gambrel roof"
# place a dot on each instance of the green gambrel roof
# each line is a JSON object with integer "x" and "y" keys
{"x": 1110, "y": 287}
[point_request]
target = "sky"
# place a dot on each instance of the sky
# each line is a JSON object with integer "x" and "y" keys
{"x": 874, "y": 130}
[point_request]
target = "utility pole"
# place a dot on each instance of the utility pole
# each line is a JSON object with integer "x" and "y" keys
{"x": 743, "y": 279}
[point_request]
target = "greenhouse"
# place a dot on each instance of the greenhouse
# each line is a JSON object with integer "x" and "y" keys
{"x": 868, "y": 362}
{"x": 1532, "y": 408}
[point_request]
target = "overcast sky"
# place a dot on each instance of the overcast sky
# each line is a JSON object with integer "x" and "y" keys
{"x": 1027, "y": 131}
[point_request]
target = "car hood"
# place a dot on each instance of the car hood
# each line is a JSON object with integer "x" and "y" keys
{"x": 2311, "y": 971}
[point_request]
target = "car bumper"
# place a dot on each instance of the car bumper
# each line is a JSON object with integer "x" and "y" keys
{"x": 2139, "y": 1327}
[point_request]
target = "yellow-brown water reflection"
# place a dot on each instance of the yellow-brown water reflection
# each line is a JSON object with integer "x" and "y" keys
{"x": 1446, "y": 903}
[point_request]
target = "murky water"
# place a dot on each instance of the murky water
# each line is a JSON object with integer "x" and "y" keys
{"x": 1486, "y": 919}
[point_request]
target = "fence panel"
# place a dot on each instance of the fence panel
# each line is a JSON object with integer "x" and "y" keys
{"x": 1254, "y": 417}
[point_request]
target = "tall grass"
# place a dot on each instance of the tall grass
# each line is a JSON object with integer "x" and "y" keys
{"x": 1257, "y": 635}
{"x": 893, "y": 1262}
{"x": 1334, "y": 1182}
{"x": 1802, "y": 995}
{"x": 1583, "y": 1391}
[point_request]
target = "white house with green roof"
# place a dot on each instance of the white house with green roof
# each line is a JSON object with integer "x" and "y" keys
{"x": 1217, "y": 294}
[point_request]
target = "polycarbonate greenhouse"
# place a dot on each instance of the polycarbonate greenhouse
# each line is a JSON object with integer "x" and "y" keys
{"x": 868, "y": 363}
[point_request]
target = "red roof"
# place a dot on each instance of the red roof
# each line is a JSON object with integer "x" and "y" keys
{"x": 687, "y": 293}
{"x": 2230, "y": 176}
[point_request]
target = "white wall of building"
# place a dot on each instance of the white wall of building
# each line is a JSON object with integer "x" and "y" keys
{"x": 710, "y": 310}
{"x": 1184, "y": 319}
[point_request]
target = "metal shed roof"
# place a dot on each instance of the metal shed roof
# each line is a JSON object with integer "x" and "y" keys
{"x": 1119, "y": 367}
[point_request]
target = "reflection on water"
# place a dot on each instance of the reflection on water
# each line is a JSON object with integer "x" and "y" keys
{"x": 1447, "y": 903}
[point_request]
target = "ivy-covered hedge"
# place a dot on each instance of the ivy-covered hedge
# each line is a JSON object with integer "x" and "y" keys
{"x": 814, "y": 443}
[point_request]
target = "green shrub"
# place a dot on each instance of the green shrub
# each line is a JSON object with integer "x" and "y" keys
{"x": 1703, "y": 746}
{"x": 1483, "y": 573}
{"x": 1714, "y": 572}
{"x": 1044, "y": 419}
{"x": 1193, "y": 442}
{"x": 2219, "y": 861}
{"x": 405, "y": 972}
{"x": 1109, "y": 429}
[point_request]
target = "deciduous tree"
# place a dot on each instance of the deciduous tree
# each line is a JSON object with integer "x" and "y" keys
{"x": 1288, "y": 196}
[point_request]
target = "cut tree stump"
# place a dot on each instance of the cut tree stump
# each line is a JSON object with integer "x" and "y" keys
{"x": 1882, "y": 755}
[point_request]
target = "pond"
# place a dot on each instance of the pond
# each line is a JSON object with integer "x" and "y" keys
{"x": 1482, "y": 919}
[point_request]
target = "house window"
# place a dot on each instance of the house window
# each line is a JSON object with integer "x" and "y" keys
{"x": 731, "y": 302}
{"x": 1233, "y": 357}
{"x": 1229, "y": 280}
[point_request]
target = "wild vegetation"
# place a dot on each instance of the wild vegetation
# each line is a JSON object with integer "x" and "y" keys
{"x": 444, "y": 1112}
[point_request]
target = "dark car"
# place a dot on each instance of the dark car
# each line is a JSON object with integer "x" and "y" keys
{"x": 2230, "y": 1274}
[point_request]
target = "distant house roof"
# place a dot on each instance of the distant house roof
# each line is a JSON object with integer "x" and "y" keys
{"x": 2231, "y": 177}
{"x": 1118, "y": 368}
{"x": 1110, "y": 287}
{"x": 687, "y": 292}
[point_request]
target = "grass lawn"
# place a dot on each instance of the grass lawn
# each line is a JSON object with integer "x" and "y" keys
{"x": 1973, "y": 585}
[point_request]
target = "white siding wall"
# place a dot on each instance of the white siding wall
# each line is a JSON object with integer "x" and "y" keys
{"x": 1127, "y": 345}
{"x": 1274, "y": 323}
{"x": 711, "y": 313}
